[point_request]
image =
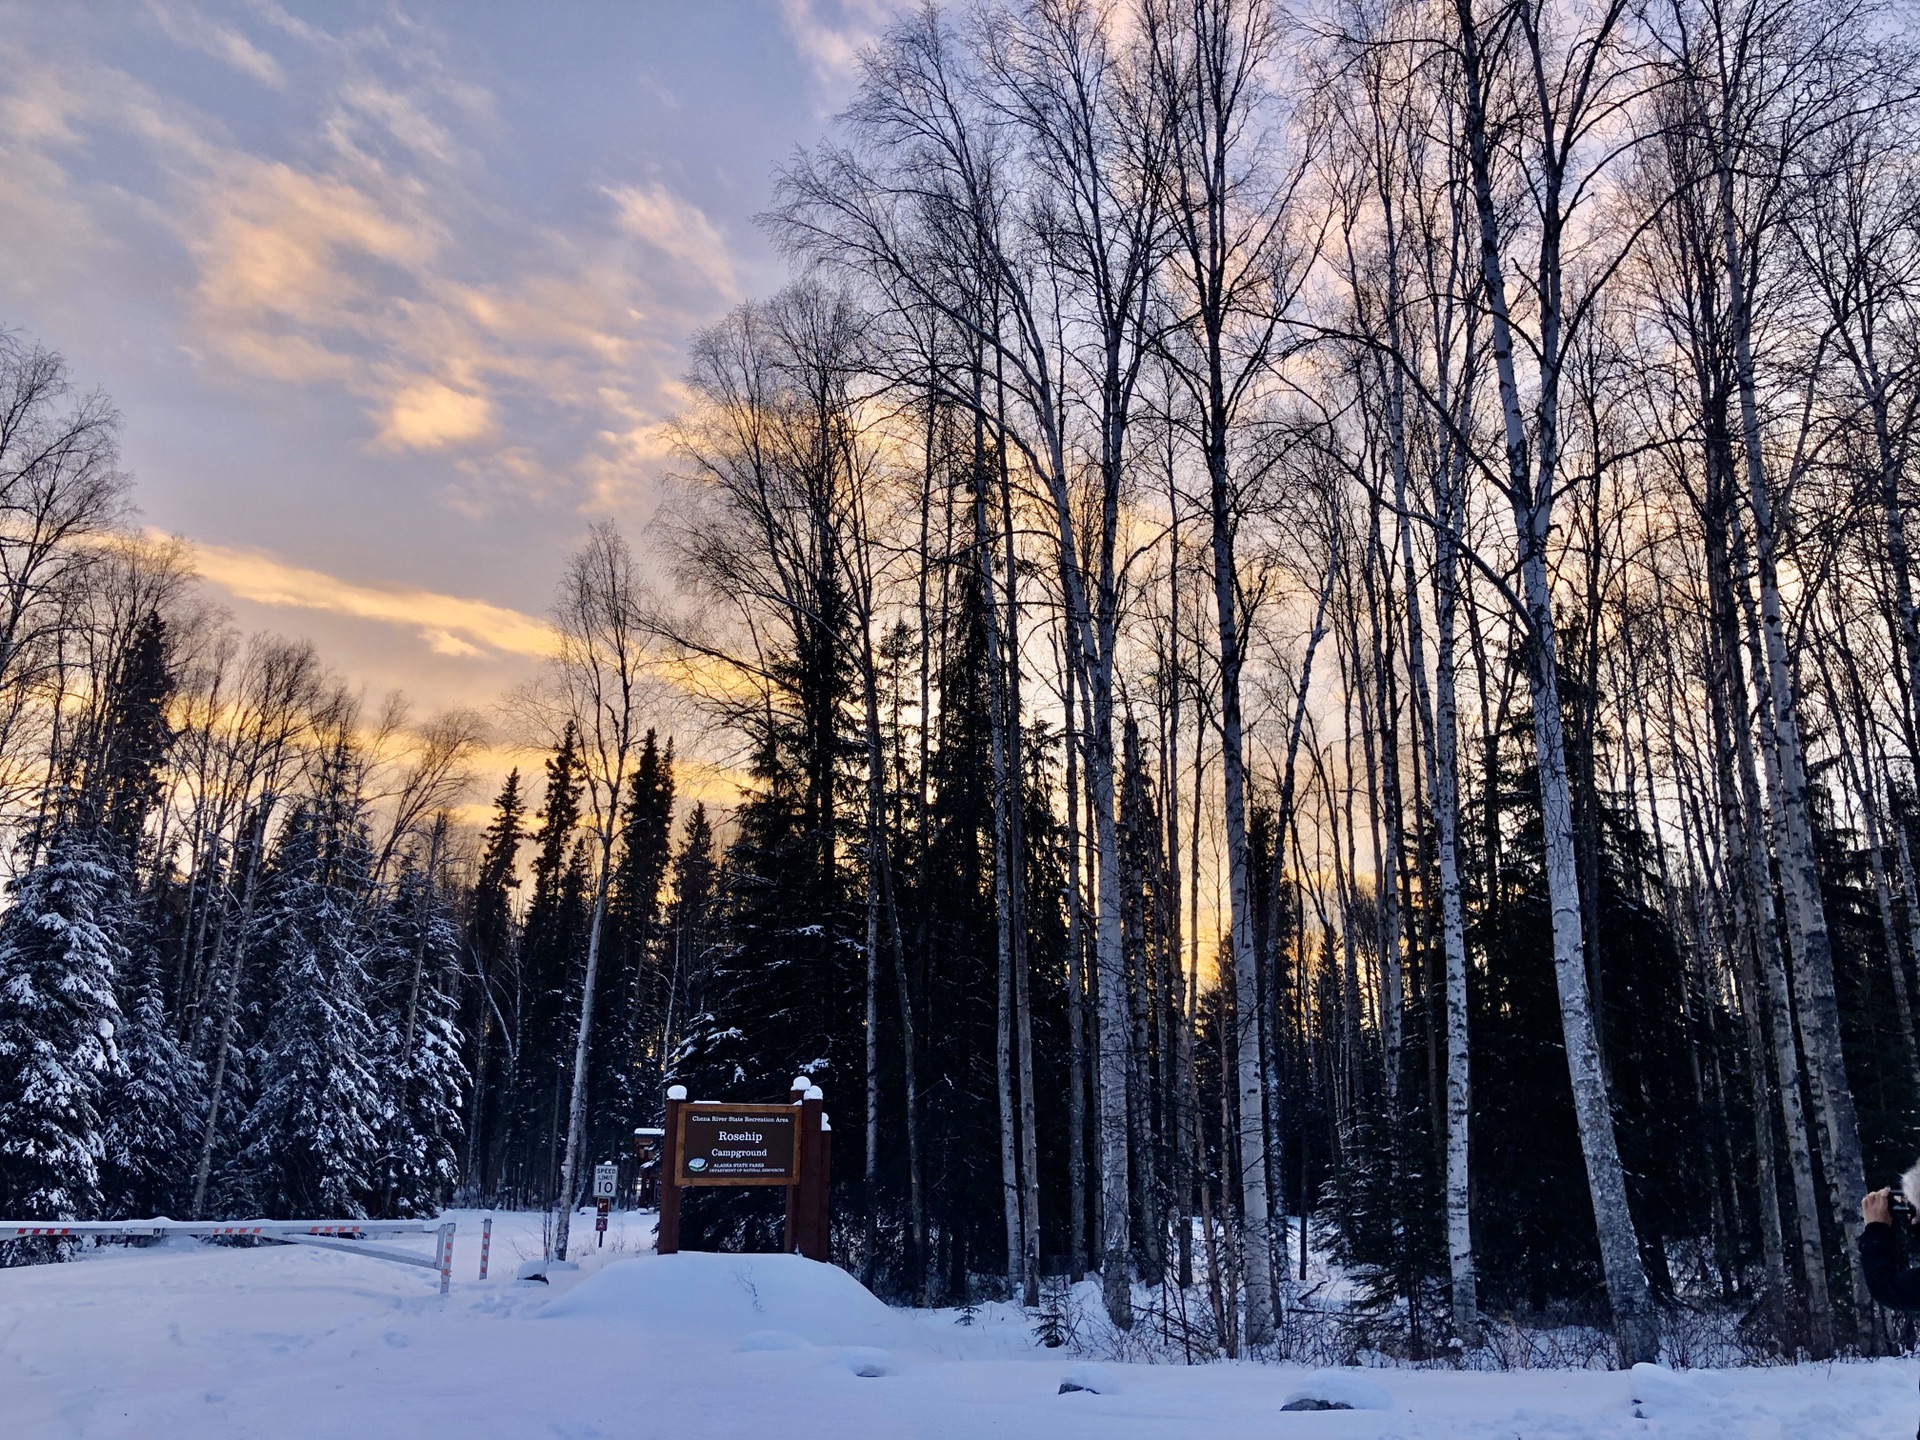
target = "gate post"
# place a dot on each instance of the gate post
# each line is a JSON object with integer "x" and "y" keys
{"x": 812, "y": 1226}
{"x": 823, "y": 1195}
{"x": 791, "y": 1240}
{"x": 667, "y": 1230}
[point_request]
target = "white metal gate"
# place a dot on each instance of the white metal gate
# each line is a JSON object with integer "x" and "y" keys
{"x": 341, "y": 1235}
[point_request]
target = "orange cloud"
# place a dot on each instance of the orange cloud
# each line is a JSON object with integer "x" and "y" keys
{"x": 372, "y": 259}
{"x": 450, "y": 624}
{"x": 427, "y": 415}
{"x": 283, "y": 243}
{"x": 678, "y": 229}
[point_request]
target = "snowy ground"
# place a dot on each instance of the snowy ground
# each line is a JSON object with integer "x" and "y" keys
{"x": 184, "y": 1341}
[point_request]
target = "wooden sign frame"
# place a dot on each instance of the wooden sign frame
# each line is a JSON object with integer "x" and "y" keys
{"x": 807, "y": 1227}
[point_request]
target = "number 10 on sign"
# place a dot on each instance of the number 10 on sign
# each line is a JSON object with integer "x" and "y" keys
{"x": 606, "y": 1182}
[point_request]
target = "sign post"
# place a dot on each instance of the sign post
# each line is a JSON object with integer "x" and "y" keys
{"x": 606, "y": 1184}
{"x": 646, "y": 1153}
{"x": 712, "y": 1143}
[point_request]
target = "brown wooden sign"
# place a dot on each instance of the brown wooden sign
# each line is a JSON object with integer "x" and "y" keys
{"x": 737, "y": 1145}
{"x": 712, "y": 1143}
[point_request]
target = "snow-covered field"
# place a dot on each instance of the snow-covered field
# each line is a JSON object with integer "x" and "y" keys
{"x": 184, "y": 1342}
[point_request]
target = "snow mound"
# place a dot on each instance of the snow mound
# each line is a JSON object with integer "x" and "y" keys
{"x": 741, "y": 1300}
{"x": 867, "y": 1363}
{"x": 1340, "y": 1390}
{"x": 1658, "y": 1392}
{"x": 1093, "y": 1379}
{"x": 543, "y": 1270}
{"x": 770, "y": 1340}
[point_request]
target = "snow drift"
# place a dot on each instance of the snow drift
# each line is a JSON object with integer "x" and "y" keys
{"x": 748, "y": 1302}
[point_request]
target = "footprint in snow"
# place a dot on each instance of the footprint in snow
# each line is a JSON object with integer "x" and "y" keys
{"x": 867, "y": 1363}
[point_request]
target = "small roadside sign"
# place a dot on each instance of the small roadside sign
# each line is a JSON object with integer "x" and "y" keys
{"x": 606, "y": 1181}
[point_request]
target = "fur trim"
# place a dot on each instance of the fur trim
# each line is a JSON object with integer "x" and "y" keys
{"x": 1910, "y": 1186}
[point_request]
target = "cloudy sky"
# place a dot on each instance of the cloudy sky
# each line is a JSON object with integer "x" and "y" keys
{"x": 393, "y": 296}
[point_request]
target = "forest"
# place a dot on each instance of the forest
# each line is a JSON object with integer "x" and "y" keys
{"x": 1308, "y": 620}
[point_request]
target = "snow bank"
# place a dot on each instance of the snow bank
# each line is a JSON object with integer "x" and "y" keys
{"x": 746, "y": 1302}
{"x": 1341, "y": 1390}
{"x": 204, "y": 1343}
{"x": 1093, "y": 1380}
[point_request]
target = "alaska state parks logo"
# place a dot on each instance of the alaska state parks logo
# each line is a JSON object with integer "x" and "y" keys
{"x": 697, "y": 1164}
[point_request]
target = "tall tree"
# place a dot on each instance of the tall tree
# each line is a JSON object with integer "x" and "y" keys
{"x": 60, "y": 949}
{"x": 1561, "y": 117}
{"x": 494, "y": 1004}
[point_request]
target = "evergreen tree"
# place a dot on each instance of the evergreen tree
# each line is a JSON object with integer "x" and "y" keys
{"x": 552, "y": 945}
{"x": 785, "y": 994}
{"x": 782, "y": 993}
{"x": 122, "y": 786}
{"x": 625, "y": 1060}
{"x": 492, "y": 991}
{"x": 1534, "y": 1230}
{"x": 422, "y": 1077}
{"x": 155, "y": 1103}
{"x": 308, "y": 1145}
{"x": 59, "y": 1026}
{"x": 1143, "y": 919}
{"x": 955, "y": 988}
{"x": 1046, "y": 890}
{"x": 1883, "y": 1085}
{"x": 690, "y": 927}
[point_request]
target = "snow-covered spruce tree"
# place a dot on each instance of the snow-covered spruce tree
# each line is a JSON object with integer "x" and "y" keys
{"x": 625, "y": 1069}
{"x": 129, "y": 742}
{"x": 155, "y": 1103}
{"x": 1143, "y": 911}
{"x": 422, "y": 1078}
{"x": 308, "y": 1144}
{"x": 552, "y": 941}
{"x": 781, "y": 993}
{"x": 59, "y": 1023}
{"x": 690, "y": 937}
{"x": 490, "y": 1019}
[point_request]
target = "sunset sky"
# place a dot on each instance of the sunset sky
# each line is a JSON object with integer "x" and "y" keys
{"x": 394, "y": 297}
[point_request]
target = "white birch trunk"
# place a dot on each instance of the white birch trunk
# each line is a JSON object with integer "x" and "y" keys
{"x": 1758, "y": 881}
{"x": 1017, "y": 888}
{"x": 1076, "y": 1000}
{"x": 1002, "y": 882}
{"x": 1800, "y": 879}
{"x": 870, "y": 1019}
{"x": 1446, "y": 825}
{"x": 1635, "y": 1326}
{"x": 1255, "y": 1220}
{"x": 582, "y": 1044}
{"x": 1112, "y": 1060}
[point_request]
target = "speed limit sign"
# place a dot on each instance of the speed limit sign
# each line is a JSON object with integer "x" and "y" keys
{"x": 606, "y": 1181}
